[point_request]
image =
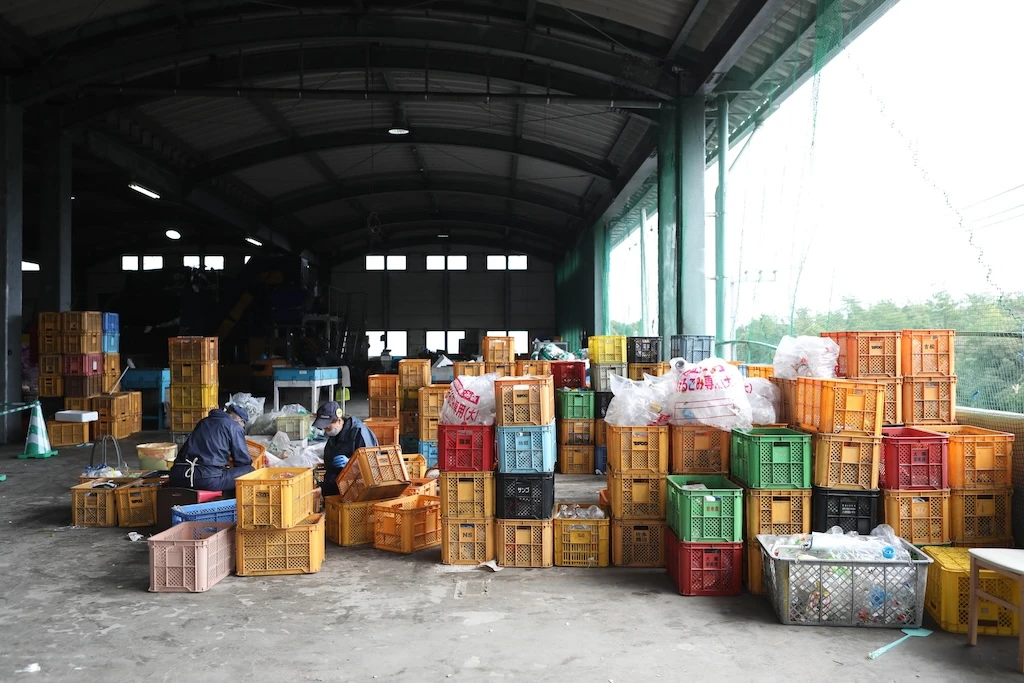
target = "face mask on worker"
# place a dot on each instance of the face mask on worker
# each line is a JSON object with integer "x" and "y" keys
{"x": 333, "y": 430}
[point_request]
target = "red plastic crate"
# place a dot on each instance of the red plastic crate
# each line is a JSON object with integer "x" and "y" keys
{"x": 465, "y": 448}
{"x": 704, "y": 569}
{"x": 913, "y": 459}
{"x": 569, "y": 374}
{"x": 84, "y": 364}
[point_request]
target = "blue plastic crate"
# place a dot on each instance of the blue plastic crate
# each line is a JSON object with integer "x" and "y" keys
{"x": 601, "y": 459}
{"x": 111, "y": 323}
{"x": 304, "y": 374}
{"x": 111, "y": 343}
{"x": 155, "y": 378}
{"x": 217, "y": 511}
{"x": 526, "y": 450}
{"x": 428, "y": 449}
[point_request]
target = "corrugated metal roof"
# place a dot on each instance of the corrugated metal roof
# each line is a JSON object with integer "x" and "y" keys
{"x": 332, "y": 212}
{"x": 39, "y": 17}
{"x": 659, "y": 17}
{"x": 555, "y": 177}
{"x": 209, "y": 123}
{"x": 446, "y": 158}
{"x": 587, "y": 130}
{"x": 281, "y": 176}
{"x": 370, "y": 160}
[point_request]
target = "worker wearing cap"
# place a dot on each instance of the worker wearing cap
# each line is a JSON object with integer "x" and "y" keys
{"x": 215, "y": 453}
{"x": 345, "y": 435}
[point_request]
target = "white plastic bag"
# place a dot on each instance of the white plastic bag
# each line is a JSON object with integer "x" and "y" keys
{"x": 712, "y": 393}
{"x": 470, "y": 401}
{"x": 637, "y": 403}
{"x": 806, "y": 357}
{"x": 765, "y": 401}
{"x": 253, "y": 405}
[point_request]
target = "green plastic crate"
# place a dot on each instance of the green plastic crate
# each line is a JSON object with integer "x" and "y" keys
{"x": 574, "y": 404}
{"x": 714, "y": 515}
{"x": 771, "y": 458}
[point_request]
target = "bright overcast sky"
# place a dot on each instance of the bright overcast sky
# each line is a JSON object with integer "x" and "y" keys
{"x": 918, "y": 111}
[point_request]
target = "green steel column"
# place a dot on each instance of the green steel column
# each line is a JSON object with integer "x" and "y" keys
{"x": 723, "y": 172}
{"x": 668, "y": 311}
{"x": 692, "y": 277}
{"x": 643, "y": 273}
{"x": 602, "y": 279}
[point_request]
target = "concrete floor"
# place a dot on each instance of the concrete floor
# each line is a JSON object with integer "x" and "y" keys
{"x": 75, "y": 601}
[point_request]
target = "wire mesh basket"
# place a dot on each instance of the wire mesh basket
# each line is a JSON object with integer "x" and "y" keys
{"x": 846, "y": 592}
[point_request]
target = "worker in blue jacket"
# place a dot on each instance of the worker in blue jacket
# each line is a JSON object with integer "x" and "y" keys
{"x": 345, "y": 435}
{"x": 205, "y": 460}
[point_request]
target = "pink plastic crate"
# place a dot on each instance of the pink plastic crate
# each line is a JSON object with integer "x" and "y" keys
{"x": 913, "y": 459}
{"x": 569, "y": 374}
{"x": 465, "y": 448}
{"x": 191, "y": 557}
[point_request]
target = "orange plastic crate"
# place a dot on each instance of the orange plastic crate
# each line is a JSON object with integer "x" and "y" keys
{"x": 787, "y": 411}
{"x": 414, "y": 373}
{"x": 81, "y": 322}
{"x": 920, "y": 517}
{"x": 840, "y": 406}
{"x": 638, "y": 370}
{"x": 408, "y": 423}
{"x": 576, "y": 459}
{"x": 407, "y": 524}
{"x": 49, "y": 323}
{"x": 469, "y": 369}
{"x": 111, "y": 364}
{"x": 51, "y": 344}
{"x": 194, "y": 373}
{"x": 638, "y": 449}
{"x": 118, "y": 427}
{"x": 868, "y": 354}
{"x": 929, "y": 400}
{"x": 272, "y": 552}
{"x": 467, "y": 541}
{"x": 51, "y": 386}
{"x": 94, "y": 507}
{"x": 382, "y": 386}
{"x": 637, "y": 495}
{"x": 499, "y": 349}
{"x": 87, "y": 342}
{"x": 193, "y": 349}
{"x": 348, "y": 524}
{"x": 600, "y": 433}
{"x": 928, "y": 353}
{"x": 466, "y": 495}
{"x": 981, "y": 515}
{"x": 373, "y": 474}
{"x": 409, "y": 398}
{"x": 67, "y": 433}
{"x": 384, "y": 407}
{"x": 638, "y": 542}
{"x": 978, "y": 458}
{"x": 525, "y": 401}
{"x": 500, "y": 369}
{"x": 136, "y": 503}
{"x": 576, "y": 432}
{"x": 525, "y": 542}
{"x": 699, "y": 450}
{"x": 186, "y": 420}
{"x": 846, "y": 461}
{"x": 51, "y": 364}
{"x": 431, "y": 400}
{"x": 386, "y": 429}
{"x": 536, "y": 368}
{"x": 779, "y": 513}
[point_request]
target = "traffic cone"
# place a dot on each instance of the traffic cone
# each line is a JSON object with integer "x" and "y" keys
{"x": 37, "y": 444}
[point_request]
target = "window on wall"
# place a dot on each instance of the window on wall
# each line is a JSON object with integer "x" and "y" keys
{"x": 152, "y": 262}
{"x": 213, "y": 262}
{"x": 247, "y": 258}
{"x": 191, "y": 261}
{"x": 435, "y": 262}
{"x": 375, "y": 343}
{"x": 396, "y": 262}
{"x": 397, "y": 341}
{"x": 375, "y": 262}
{"x": 457, "y": 262}
{"x": 496, "y": 262}
{"x": 129, "y": 263}
{"x": 521, "y": 337}
{"x": 394, "y": 340}
{"x": 447, "y": 341}
{"x": 517, "y": 262}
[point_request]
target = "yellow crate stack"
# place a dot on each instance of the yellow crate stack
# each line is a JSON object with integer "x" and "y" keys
{"x": 638, "y": 465}
{"x": 277, "y": 531}
{"x": 194, "y": 380}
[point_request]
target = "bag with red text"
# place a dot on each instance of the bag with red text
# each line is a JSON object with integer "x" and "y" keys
{"x": 711, "y": 393}
{"x": 470, "y": 401}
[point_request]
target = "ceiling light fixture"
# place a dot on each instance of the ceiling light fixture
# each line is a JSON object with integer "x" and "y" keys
{"x": 254, "y": 242}
{"x": 398, "y": 129}
{"x": 173, "y": 235}
{"x": 442, "y": 235}
{"x": 143, "y": 190}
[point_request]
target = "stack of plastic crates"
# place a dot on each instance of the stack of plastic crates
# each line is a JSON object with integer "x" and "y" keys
{"x": 643, "y": 357}
{"x": 581, "y": 437}
{"x": 194, "y": 380}
{"x": 277, "y": 531}
{"x": 774, "y": 467}
{"x": 430, "y": 400}
{"x": 704, "y": 534}
{"x": 607, "y": 358}
{"x": 372, "y": 475}
{"x": 499, "y": 356}
{"x": 637, "y": 478}
{"x": 413, "y": 374}
{"x": 466, "y": 490}
{"x": 914, "y": 475}
{"x": 524, "y": 484}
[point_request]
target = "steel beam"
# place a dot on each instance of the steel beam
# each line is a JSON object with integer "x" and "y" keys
{"x": 687, "y": 28}
{"x": 668, "y": 230}
{"x": 723, "y": 174}
{"x": 692, "y": 276}
{"x": 55, "y": 217}
{"x": 391, "y": 184}
{"x": 11, "y": 177}
{"x": 313, "y": 60}
{"x": 132, "y": 56}
{"x": 281, "y": 149}
{"x": 167, "y": 183}
{"x": 747, "y": 22}
{"x": 499, "y": 221}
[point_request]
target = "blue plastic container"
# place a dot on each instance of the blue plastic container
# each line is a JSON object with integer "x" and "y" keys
{"x": 304, "y": 374}
{"x": 155, "y": 378}
{"x": 601, "y": 459}
{"x": 526, "y": 450}
{"x": 111, "y": 323}
{"x": 217, "y": 511}
{"x": 111, "y": 343}
{"x": 428, "y": 449}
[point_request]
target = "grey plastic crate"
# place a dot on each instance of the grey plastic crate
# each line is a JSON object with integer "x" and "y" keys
{"x": 692, "y": 347}
{"x": 846, "y": 592}
{"x": 601, "y": 375}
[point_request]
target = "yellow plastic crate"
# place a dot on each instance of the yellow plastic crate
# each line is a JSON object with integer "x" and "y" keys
{"x": 384, "y": 407}
{"x": 978, "y": 458}
{"x": 920, "y": 517}
{"x": 466, "y": 495}
{"x": 638, "y": 495}
{"x": 386, "y": 429}
{"x": 469, "y": 369}
{"x": 95, "y": 507}
{"x": 467, "y": 541}
{"x": 581, "y": 542}
{"x": 607, "y": 349}
{"x": 638, "y": 370}
{"x": 414, "y": 373}
{"x": 194, "y": 373}
{"x": 373, "y": 473}
{"x": 981, "y": 515}
{"x": 638, "y": 542}
{"x": 576, "y": 459}
{"x": 947, "y": 597}
{"x": 193, "y": 349}
{"x": 408, "y": 423}
{"x": 382, "y": 386}
{"x": 779, "y": 513}
{"x": 576, "y": 432}
{"x": 348, "y": 524}
{"x": 428, "y": 427}
{"x": 415, "y": 465}
{"x": 407, "y": 524}
{"x": 274, "y": 497}
{"x": 499, "y": 349}
{"x": 272, "y": 552}
{"x": 754, "y": 565}
{"x": 638, "y": 449}
{"x": 431, "y": 400}
{"x": 136, "y": 503}
{"x": 846, "y": 461}
{"x": 193, "y": 396}
{"x": 409, "y": 398}
{"x": 524, "y": 542}
{"x": 500, "y": 369}
{"x": 533, "y": 368}
{"x": 699, "y": 450}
